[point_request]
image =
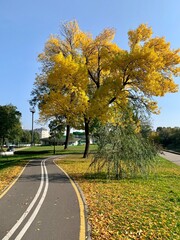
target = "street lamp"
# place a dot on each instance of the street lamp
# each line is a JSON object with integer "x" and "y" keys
{"x": 32, "y": 110}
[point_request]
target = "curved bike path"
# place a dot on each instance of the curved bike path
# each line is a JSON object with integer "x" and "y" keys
{"x": 43, "y": 204}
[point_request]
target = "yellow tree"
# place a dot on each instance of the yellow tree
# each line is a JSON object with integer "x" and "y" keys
{"x": 103, "y": 78}
{"x": 121, "y": 77}
{"x": 58, "y": 90}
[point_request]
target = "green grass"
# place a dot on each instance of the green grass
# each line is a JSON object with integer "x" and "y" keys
{"x": 140, "y": 208}
{"x": 49, "y": 150}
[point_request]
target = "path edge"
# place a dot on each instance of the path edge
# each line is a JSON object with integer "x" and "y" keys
{"x": 79, "y": 191}
{"x": 11, "y": 184}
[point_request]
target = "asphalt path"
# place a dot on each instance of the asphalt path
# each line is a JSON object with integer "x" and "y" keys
{"x": 43, "y": 204}
{"x": 173, "y": 157}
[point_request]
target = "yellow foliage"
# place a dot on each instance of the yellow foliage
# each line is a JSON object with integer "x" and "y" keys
{"x": 92, "y": 77}
{"x": 142, "y": 33}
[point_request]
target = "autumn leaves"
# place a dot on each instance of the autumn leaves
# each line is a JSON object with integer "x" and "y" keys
{"x": 85, "y": 78}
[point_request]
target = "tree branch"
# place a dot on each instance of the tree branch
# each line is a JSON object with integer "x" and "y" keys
{"x": 92, "y": 77}
{"x": 112, "y": 100}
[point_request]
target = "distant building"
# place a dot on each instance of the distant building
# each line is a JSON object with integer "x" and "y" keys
{"x": 43, "y": 132}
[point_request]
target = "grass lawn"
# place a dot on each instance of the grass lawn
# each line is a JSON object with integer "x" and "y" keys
{"x": 130, "y": 209}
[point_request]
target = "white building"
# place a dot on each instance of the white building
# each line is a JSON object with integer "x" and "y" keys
{"x": 43, "y": 132}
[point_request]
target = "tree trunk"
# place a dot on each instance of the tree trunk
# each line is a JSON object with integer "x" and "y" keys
{"x": 86, "y": 151}
{"x": 1, "y": 144}
{"x": 67, "y": 136}
{"x": 54, "y": 147}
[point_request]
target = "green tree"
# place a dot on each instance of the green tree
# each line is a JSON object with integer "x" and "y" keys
{"x": 122, "y": 152}
{"x": 168, "y": 137}
{"x": 26, "y": 136}
{"x": 10, "y": 125}
{"x": 57, "y": 128}
{"x": 36, "y": 137}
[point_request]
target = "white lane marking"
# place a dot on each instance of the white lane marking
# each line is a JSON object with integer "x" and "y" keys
{"x": 32, "y": 217}
{"x": 14, "y": 228}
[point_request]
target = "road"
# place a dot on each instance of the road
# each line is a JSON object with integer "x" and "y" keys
{"x": 43, "y": 204}
{"x": 175, "y": 158}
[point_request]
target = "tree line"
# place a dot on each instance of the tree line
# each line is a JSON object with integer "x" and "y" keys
{"x": 168, "y": 137}
{"x": 10, "y": 127}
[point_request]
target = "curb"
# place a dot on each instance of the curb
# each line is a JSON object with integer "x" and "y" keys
{"x": 86, "y": 210}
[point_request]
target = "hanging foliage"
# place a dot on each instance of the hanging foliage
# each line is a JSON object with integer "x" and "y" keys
{"x": 122, "y": 152}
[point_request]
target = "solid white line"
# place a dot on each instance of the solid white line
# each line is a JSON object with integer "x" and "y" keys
{"x": 14, "y": 228}
{"x": 31, "y": 219}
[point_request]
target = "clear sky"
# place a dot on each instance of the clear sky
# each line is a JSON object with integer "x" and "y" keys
{"x": 26, "y": 25}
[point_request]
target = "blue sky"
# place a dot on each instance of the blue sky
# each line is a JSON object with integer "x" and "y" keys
{"x": 26, "y": 25}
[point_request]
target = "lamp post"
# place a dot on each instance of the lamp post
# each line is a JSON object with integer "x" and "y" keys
{"x": 32, "y": 110}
